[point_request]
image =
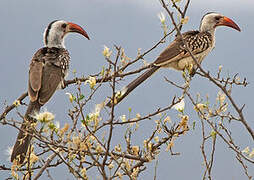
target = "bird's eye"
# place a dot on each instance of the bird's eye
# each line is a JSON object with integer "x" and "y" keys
{"x": 64, "y": 25}
{"x": 217, "y": 18}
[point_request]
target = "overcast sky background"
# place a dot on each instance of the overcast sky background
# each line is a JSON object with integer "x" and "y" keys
{"x": 131, "y": 24}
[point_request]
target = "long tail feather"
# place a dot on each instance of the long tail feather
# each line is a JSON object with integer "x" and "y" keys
{"x": 24, "y": 137}
{"x": 130, "y": 87}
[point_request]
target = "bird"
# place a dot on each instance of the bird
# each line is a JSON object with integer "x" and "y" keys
{"x": 200, "y": 42}
{"x": 47, "y": 72}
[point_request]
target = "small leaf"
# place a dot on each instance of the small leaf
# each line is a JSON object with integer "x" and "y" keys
{"x": 81, "y": 97}
{"x": 102, "y": 71}
{"x": 194, "y": 125}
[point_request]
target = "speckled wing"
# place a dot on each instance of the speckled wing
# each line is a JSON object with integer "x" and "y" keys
{"x": 196, "y": 41}
{"x": 47, "y": 71}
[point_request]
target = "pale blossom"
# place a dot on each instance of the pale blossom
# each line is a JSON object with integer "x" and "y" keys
{"x": 45, "y": 116}
{"x": 106, "y": 52}
{"x": 135, "y": 150}
{"x": 71, "y": 98}
{"x": 111, "y": 165}
{"x": 91, "y": 81}
{"x": 123, "y": 118}
{"x": 157, "y": 139}
{"x": 246, "y": 150}
{"x": 167, "y": 119}
{"x": 185, "y": 20}
{"x": 162, "y": 18}
{"x": 180, "y": 106}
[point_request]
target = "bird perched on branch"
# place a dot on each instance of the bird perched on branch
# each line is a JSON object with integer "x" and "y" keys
{"x": 48, "y": 69}
{"x": 176, "y": 56}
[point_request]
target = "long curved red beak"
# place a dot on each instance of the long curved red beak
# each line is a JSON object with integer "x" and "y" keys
{"x": 78, "y": 29}
{"x": 225, "y": 21}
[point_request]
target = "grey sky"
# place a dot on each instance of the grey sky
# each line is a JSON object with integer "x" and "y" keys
{"x": 131, "y": 24}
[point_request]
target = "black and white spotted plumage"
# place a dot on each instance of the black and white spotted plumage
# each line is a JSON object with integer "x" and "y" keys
{"x": 176, "y": 56}
{"x": 53, "y": 63}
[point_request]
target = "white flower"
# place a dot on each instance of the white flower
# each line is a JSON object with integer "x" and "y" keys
{"x": 123, "y": 118}
{"x": 111, "y": 166}
{"x": 106, "y": 52}
{"x": 118, "y": 148}
{"x": 91, "y": 81}
{"x": 167, "y": 119}
{"x": 135, "y": 150}
{"x": 184, "y": 20}
{"x": 138, "y": 116}
{"x": 57, "y": 124}
{"x": 157, "y": 139}
{"x": 220, "y": 67}
{"x": 200, "y": 107}
{"x": 94, "y": 116}
{"x": 162, "y": 18}
{"x": 246, "y": 150}
{"x": 45, "y": 116}
{"x": 221, "y": 97}
{"x": 179, "y": 106}
{"x": 71, "y": 98}
{"x": 97, "y": 109}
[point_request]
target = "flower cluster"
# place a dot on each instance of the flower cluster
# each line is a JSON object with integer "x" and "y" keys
{"x": 248, "y": 152}
{"x": 44, "y": 117}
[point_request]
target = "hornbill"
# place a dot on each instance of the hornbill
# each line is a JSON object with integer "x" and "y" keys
{"x": 48, "y": 69}
{"x": 175, "y": 56}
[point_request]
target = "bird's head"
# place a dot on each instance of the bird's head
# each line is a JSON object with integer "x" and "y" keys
{"x": 57, "y": 30}
{"x": 212, "y": 20}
